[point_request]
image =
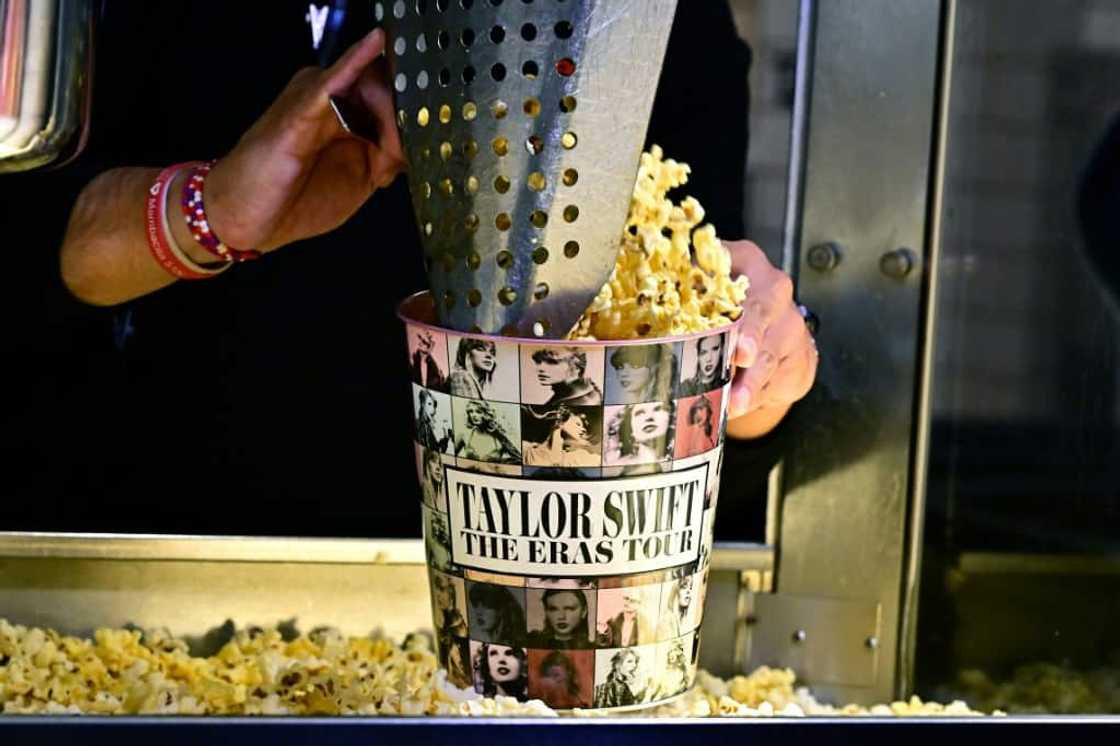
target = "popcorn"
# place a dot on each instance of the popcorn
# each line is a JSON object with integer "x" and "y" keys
{"x": 1043, "y": 687}
{"x": 671, "y": 277}
{"x": 326, "y": 673}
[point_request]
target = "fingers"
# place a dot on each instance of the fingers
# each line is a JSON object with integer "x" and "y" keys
{"x": 749, "y": 386}
{"x": 739, "y": 401}
{"x": 792, "y": 373}
{"x": 769, "y": 292}
{"x": 759, "y": 375}
{"x": 746, "y": 257}
{"x": 746, "y": 350}
{"x": 775, "y": 356}
{"x": 773, "y": 383}
{"x": 345, "y": 72}
{"x": 302, "y": 120}
{"x": 387, "y": 157}
{"x": 788, "y": 333}
{"x": 804, "y": 365}
{"x": 770, "y": 296}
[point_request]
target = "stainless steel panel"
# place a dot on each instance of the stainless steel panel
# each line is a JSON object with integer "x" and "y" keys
{"x": 795, "y": 181}
{"x": 824, "y": 640}
{"x": 866, "y": 174}
{"x": 75, "y": 583}
{"x": 908, "y": 626}
{"x": 192, "y": 585}
{"x": 723, "y": 634}
{"x": 720, "y": 629}
{"x": 208, "y": 548}
{"x": 191, "y": 598}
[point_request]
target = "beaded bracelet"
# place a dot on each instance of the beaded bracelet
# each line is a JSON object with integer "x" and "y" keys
{"x": 161, "y": 242}
{"x": 194, "y": 212}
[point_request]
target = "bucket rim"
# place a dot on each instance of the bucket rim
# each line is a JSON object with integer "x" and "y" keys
{"x": 418, "y": 309}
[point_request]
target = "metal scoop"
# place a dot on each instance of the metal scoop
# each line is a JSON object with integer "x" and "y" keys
{"x": 522, "y": 123}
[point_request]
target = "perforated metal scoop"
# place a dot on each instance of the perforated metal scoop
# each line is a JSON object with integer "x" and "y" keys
{"x": 522, "y": 123}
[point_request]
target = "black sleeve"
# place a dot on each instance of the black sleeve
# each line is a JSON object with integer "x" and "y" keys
{"x": 741, "y": 513}
{"x": 84, "y": 425}
{"x": 700, "y": 112}
{"x": 66, "y": 344}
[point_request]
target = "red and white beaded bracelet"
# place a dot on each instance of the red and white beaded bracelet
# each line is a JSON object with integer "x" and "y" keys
{"x": 194, "y": 212}
{"x": 161, "y": 242}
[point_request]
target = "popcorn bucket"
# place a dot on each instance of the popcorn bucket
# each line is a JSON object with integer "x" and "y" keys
{"x": 568, "y": 490}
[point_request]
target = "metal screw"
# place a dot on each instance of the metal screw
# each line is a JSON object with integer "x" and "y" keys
{"x": 898, "y": 263}
{"x": 799, "y": 636}
{"x": 824, "y": 257}
{"x": 872, "y": 642}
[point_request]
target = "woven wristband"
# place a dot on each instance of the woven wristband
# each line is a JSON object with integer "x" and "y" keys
{"x": 194, "y": 212}
{"x": 161, "y": 243}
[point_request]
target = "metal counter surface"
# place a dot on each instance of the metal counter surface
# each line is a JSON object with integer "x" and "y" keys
{"x": 77, "y": 582}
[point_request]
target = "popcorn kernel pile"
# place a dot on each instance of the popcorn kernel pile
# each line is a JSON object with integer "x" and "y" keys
{"x": 258, "y": 672}
{"x": 655, "y": 288}
{"x": 1043, "y": 688}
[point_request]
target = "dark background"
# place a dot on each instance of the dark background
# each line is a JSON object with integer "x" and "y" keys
{"x": 272, "y": 399}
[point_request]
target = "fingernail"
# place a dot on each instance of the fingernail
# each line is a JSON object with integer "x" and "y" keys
{"x": 740, "y": 402}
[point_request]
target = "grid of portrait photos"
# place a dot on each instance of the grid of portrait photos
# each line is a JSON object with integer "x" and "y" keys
{"x": 571, "y": 642}
{"x": 560, "y": 412}
{"x": 565, "y": 412}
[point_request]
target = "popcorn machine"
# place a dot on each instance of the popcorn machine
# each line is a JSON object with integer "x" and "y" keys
{"x": 943, "y": 520}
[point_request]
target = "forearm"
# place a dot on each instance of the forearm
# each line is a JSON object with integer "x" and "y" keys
{"x": 105, "y": 259}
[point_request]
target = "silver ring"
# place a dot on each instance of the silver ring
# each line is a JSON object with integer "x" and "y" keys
{"x": 812, "y": 323}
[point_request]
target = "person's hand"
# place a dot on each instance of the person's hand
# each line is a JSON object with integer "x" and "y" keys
{"x": 297, "y": 173}
{"x": 775, "y": 360}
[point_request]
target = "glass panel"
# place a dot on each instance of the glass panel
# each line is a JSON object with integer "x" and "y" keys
{"x": 1021, "y": 583}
